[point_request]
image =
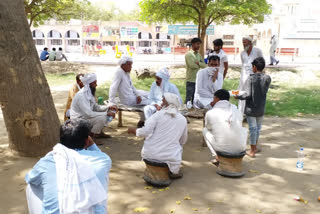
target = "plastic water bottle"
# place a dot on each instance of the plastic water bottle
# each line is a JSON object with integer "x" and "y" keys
{"x": 300, "y": 159}
{"x": 110, "y": 118}
{"x": 189, "y": 105}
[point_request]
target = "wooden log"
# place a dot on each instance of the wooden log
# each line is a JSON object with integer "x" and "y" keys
{"x": 230, "y": 165}
{"x": 156, "y": 174}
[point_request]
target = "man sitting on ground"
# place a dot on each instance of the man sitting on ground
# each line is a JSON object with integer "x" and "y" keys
{"x": 73, "y": 178}
{"x": 158, "y": 88}
{"x": 52, "y": 55}
{"x": 223, "y": 129}
{"x": 60, "y": 56}
{"x": 122, "y": 85}
{"x": 84, "y": 106}
{"x": 44, "y": 54}
{"x": 208, "y": 81}
{"x": 72, "y": 92}
{"x": 165, "y": 133}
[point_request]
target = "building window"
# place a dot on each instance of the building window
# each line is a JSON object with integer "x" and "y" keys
{"x": 108, "y": 43}
{"x": 144, "y": 44}
{"x": 228, "y": 43}
{"x": 130, "y": 43}
{"x": 163, "y": 44}
{"x": 56, "y": 42}
{"x": 38, "y": 41}
{"x": 228, "y": 37}
{"x": 73, "y": 42}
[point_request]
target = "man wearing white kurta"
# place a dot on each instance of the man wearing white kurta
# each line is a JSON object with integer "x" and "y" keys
{"x": 158, "y": 88}
{"x": 249, "y": 54}
{"x": 166, "y": 132}
{"x": 84, "y": 106}
{"x": 208, "y": 81}
{"x": 273, "y": 49}
{"x": 217, "y": 50}
{"x": 223, "y": 129}
{"x": 122, "y": 85}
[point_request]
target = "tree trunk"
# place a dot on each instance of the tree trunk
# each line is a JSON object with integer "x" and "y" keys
{"x": 203, "y": 39}
{"x": 25, "y": 98}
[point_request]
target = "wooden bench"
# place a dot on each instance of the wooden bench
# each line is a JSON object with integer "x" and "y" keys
{"x": 288, "y": 52}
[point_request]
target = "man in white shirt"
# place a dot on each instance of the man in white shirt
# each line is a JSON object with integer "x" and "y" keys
{"x": 217, "y": 50}
{"x": 84, "y": 106}
{"x": 273, "y": 49}
{"x": 60, "y": 56}
{"x": 208, "y": 81}
{"x": 122, "y": 85}
{"x": 223, "y": 129}
{"x": 165, "y": 133}
{"x": 249, "y": 54}
{"x": 158, "y": 88}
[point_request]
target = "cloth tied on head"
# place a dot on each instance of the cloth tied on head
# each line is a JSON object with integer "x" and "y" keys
{"x": 163, "y": 73}
{"x": 173, "y": 104}
{"x": 247, "y": 38}
{"x": 78, "y": 186}
{"x": 86, "y": 80}
{"x": 124, "y": 59}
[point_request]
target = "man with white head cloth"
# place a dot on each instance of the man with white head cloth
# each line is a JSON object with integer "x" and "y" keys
{"x": 84, "y": 106}
{"x": 122, "y": 85}
{"x": 249, "y": 54}
{"x": 165, "y": 133}
{"x": 158, "y": 88}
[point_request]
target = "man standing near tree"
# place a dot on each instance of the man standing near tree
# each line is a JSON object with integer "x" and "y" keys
{"x": 194, "y": 62}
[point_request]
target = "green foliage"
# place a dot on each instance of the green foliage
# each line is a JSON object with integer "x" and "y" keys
{"x": 38, "y": 11}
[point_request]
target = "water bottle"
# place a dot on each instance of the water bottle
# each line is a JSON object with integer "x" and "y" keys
{"x": 300, "y": 159}
{"x": 189, "y": 105}
{"x": 110, "y": 118}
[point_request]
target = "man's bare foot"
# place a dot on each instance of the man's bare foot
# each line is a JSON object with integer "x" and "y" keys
{"x": 215, "y": 162}
{"x": 101, "y": 135}
{"x": 251, "y": 154}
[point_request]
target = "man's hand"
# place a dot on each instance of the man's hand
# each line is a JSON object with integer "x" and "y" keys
{"x": 197, "y": 63}
{"x": 215, "y": 75}
{"x": 157, "y": 107}
{"x": 89, "y": 142}
{"x": 132, "y": 130}
{"x": 212, "y": 104}
{"x": 112, "y": 114}
{"x": 113, "y": 108}
{"x": 139, "y": 99}
{"x": 236, "y": 97}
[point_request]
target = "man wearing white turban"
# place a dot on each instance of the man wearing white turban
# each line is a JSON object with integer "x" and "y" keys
{"x": 165, "y": 133}
{"x": 122, "y": 85}
{"x": 208, "y": 81}
{"x": 84, "y": 106}
{"x": 249, "y": 54}
{"x": 158, "y": 88}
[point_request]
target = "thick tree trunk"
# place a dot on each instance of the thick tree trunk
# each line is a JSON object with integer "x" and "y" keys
{"x": 203, "y": 38}
{"x": 25, "y": 98}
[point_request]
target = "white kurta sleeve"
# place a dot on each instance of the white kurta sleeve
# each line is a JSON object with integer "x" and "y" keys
{"x": 148, "y": 128}
{"x": 200, "y": 86}
{"x": 184, "y": 137}
{"x": 115, "y": 86}
{"x": 100, "y": 108}
{"x": 175, "y": 90}
{"x": 152, "y": 98}
{"x": 86, "y": 111}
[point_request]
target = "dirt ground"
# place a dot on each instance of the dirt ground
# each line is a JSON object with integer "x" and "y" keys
{"x": 269, "y": 186}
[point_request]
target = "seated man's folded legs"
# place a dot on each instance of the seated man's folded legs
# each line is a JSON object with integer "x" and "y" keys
{"x": 149, "y": 110}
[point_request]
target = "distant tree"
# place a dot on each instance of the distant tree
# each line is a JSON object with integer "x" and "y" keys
{"x": 204, "y": 12}
{"x": 38, "y": 11}
{"x": 25, "y": 98}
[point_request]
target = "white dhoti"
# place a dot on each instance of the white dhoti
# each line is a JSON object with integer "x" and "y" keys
{"x": 209, "y": 138}
{"x": 201, "y": 102}
{"x": 98, "y": 123}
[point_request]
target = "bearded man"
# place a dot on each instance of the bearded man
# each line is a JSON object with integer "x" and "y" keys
{"x": 84, "y": 106}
